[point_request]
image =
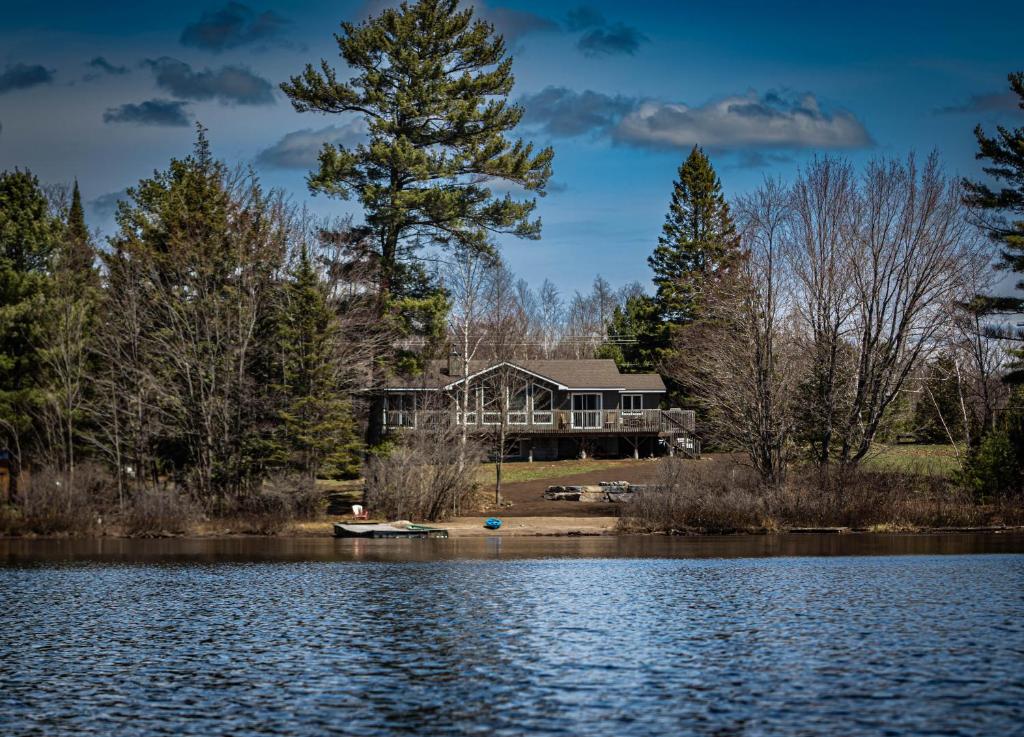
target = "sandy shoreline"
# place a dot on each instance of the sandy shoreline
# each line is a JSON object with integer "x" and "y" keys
{"x": 474, "y": 527}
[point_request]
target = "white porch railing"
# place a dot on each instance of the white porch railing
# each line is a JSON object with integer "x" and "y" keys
{"x": 549, "y": 421}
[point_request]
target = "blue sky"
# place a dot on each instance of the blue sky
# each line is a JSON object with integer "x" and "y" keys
{"x": 622, "y": 91}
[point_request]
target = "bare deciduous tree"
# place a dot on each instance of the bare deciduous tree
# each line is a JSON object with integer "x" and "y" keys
{"x": 913, "y": 255}
{"x": 740, "y": 358}
{"x": 819, "y": 231}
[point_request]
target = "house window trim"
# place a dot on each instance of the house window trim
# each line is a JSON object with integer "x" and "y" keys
{"x": 599, "y": 410}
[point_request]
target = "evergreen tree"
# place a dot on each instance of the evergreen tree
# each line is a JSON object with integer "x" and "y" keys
{"x": 637, "y": 320}
{"x": 1005, "y": 152}
{"x": 201, "y": 251}
{"x": 29, "y": 236}
{"x": 318, "y": 432}
{"x": 431, "y": 84}
{"x": 79, "y": 252}
{"x": 698, "y": 241}
{"x": 68, "y": 342}
{"x": 996, "y": 465}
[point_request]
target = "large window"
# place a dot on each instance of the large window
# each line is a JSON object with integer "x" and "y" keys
{"x": 542, "y": 399}
{"x": 632, "y": 404}
{"x": 517, "y": 402}
{"x": 400, "y": 410}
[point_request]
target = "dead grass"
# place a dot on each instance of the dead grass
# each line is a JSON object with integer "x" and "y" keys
{"x": 926, "y": 459}
{"x": 718, "y": 496}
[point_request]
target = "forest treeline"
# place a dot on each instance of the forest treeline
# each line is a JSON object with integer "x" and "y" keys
{"x": 221, "y": 341}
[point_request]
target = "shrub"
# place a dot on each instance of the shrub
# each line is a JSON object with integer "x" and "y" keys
{"x": 50, "y": 506}
{"x": 993, "y": 470}
{"x": 422, "y": 477}
{"x": 302, "y": 499}
{"x": 158, "y": 512}
{"x": 279, "y": 500}
{"x": 716, "y": 496}
{"x": 710, "y": 497}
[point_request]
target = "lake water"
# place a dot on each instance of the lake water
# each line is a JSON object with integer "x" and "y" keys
{"x": 787, "y": 635}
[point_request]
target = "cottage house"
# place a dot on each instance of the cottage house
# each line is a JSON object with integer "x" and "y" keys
{"x": 550, "y": 408}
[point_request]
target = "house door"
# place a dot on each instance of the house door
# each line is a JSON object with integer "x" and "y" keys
{"x": 586, "y": 411}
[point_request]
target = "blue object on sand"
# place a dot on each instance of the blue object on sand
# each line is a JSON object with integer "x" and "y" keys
{"x": 492, "y": 523}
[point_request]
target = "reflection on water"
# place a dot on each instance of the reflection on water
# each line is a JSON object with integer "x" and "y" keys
{"x": 18, "y": 551}
{"x": 843, "y": 635}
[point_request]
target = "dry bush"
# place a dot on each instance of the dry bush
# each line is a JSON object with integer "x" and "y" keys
{"x": 50, "y": 506}
{"x": 304, "y": 500}
{"x": 718, "y": 496}
{"x": 422, "y": 477}
{"x": 279, "y": 500}
{"x": 709, "y": 497}
{"x": 158, "y": 512}
{"x": 864, "y": 499}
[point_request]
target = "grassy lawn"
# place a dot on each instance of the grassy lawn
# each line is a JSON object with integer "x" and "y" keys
{"x": 522, "y": 471}
{"x": 934, "y": 460}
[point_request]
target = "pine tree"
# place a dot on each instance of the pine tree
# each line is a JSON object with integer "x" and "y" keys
{"x": 318, "y": 432}
{"x": 79, "y": 253}
{"x": 202, "y": 250}
{"x": 29, "y": 237}
{"x": 431, "y": 84}
{"x": 68, "y": 352}
{"x": 996, "y": 465}
{"x": 698, "y": 241}
{"x": 1005, "y": 151}
{"x": 637, "y": 320}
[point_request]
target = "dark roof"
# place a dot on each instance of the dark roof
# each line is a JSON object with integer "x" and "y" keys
{"x": 643, "y": 382}
{"x": 584, "y": 373}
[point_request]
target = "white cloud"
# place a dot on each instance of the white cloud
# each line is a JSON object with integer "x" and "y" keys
{"x": 742, "y": 121}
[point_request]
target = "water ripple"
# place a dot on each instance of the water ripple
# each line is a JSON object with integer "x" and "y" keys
{"x": 794, "y": 646}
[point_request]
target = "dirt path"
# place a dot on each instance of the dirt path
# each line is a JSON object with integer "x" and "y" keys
{"x": 527, "y": 497}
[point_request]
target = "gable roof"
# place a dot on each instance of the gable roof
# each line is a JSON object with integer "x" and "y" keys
{"x": 567, "y": 374}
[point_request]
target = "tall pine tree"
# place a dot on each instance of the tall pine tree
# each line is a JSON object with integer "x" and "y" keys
{"x": 79, "y": 253}
{"x": 431, "y": 85}
{"x": 68, "y": 344}
{"x": 697, "y": 244}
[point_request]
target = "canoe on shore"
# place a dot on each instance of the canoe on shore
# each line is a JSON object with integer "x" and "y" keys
{"x": 385, "y": 530}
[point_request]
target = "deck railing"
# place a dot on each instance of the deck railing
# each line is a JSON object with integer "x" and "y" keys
{"x": 568, "y": 422}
